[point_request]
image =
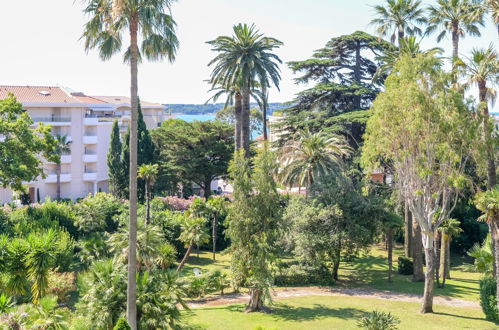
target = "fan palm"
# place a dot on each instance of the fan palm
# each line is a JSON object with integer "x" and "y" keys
{"x": 457, "y": 17}
{"x": 408, "y": 46}
{"x": 482, "y": 70}
{"x": 493, "y": 7}
{"x": 488, "y": 203}
{"x": 484, "y": 258}
{"x": 63, "y": 146}
{"x": 398, "y": 18}
{"x": 449, "y": 228}
{"x": 151, "y": 19}
{"x": 311, "y": 156}
{"x": 148, "y": 172}
{"x": 243, "y": 59}
{"x": 193, "y": 233}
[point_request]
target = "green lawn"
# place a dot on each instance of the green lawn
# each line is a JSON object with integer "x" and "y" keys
{"x": 368, "y": 271}
{"x": 321, "y": 312}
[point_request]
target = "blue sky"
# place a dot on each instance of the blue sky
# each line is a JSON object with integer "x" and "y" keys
{"x": 41, "y": 46}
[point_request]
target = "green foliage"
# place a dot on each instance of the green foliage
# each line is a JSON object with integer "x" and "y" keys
{"x": 379, "y": 321}
{"x": 343, "y": 73}
{"x": 488, "y": 203}
{"x": 6, "y": 304}
{"x": 97, "y": 213}
{"x": 122, "y": 324}
{"x": 192, "y": 152}
{"x": 299, "y": 275}
{"x": 405, "y": 266}
{"x": 208, "y": 283}
{"x": 255, "y": 219}
{"x": 46, "y": 315}
{"x": 117, "y": 177}
{"x": 61, "y": 285}
{"x": 194, "y": 231}
{"x": 228, "y": 115}
{"x": 484, "y": 257}
{"x": 488, "y": 297}
{"x": 25, "y": 164}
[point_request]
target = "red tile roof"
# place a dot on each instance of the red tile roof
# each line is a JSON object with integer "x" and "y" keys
{"x": 38, "y": 94}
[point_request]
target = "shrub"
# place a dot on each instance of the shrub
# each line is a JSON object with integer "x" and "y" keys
{"x": 6, "y": 304}
{"x": 378, "y": 321}
{"x": 61, "y": 285}
{"x": 488, "y": 298}
{"x": 302, "y": 275}
{"x": 122, "y": 324}
{"x": 175, "y": 203}
{"x": 98, "y": 212}
{"x": 207, "y": 283}
{"x": 405, "y": 266}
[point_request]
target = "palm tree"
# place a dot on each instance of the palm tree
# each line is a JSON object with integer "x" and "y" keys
{"x": 63, "y": 146}
{"x": 108, "y": 22}
{"x": 449, "y": 228}
{"x": 193, "y": 233}
{"x": 398, "y": 18}
{"x": 484, "y": 257}
{"x": 148, "y": 172}
{"x": 243, "y": 59}
{"x": 311, "y": 156}
{"x": 408, "y": 46}
{"x": 482, "y": 69}
{"x": 488, "y": 203}
{"x": 493, "y": 7}
{"x": 458, "y": 17}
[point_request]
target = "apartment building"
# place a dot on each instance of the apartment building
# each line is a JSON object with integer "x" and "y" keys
{"x": 86, "y": 121}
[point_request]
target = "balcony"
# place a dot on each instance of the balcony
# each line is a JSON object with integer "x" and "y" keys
{"x": 89, "y": 158}
{"x": 91, "y": 121}
{"x": 53, "y": 120}
{"x": 89, "y": 139}
{"x": 52, "y": 178}
{"x": 90, "y": 176}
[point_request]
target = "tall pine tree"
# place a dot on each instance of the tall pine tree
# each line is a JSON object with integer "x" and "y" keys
{"x": 117, "y": 175}
{"x": 145, "y": 152}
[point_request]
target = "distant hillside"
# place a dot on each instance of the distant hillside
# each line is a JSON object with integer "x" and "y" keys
{"x": 204, "y": 109}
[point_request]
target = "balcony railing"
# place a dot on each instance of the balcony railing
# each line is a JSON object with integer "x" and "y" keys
{"x": 52, "y": 119}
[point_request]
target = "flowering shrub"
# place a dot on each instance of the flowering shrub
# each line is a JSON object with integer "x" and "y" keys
{"x": 61, "y": 285}
{"x": 178, "y": 204}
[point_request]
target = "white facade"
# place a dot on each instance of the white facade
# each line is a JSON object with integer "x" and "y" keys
{"x": 87, "y": 123}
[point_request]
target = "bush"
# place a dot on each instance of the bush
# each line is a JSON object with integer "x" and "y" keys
{"x": 302, "y": 275}
{"x": 488, "y": 298}
{"x": 207, "y": 283}
{"x": 122, "y": 324}
{"x": 61, "y": 285}
{"x": 405, "y": 266}
{"x": 378, "y": 321}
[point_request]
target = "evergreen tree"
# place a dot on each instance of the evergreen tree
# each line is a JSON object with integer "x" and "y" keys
{"x": 117, "y": 175}
{"x": 344, "y": 88}
{"x": 145, "y": 153}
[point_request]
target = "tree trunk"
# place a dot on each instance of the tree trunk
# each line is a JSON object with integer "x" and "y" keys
{"x": 357, "y": 75}
{"x": 207, "y": 189}
{"x": 256, "y": 300}
{"x": 400, "y": 36}
{"x": 455, "y": 43}
{"x": 495, "y": 239}
{"x": 417, "y": 255}
{"x": 58, "y": 179}
{"x": 438, "y": 239}
{"x": 336, "y": 263}
{"x": 214, "y": 235}
{"x": 264, "y": 110}
{"x": 246, "y": 132}
{"x": 184, "y": 259}
{"x": 148, "y": 204}
{"x": 487, "y": 135}
{"x": 407, "y": 232}
{"x": 443, "y": 258}
{"x": 238, "y": 109}
{"x": 429, "y": 283}
{"x": 447, "y": 260}
{"x": 132, "y": 243}
{"x": 389, "y": 238}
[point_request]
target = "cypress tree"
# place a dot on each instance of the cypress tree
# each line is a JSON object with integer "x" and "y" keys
{"x": 145, "y": 151}
{"x": 117, "y": 179}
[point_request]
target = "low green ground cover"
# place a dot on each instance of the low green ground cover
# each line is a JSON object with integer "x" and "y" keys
{"x": 319, "y": 312}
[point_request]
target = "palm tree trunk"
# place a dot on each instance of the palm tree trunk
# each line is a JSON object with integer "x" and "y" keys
{"x": 265, "y": 105}
{"x": 443, "y": 258}
{"x": 400, "y": 36}
{"x": 336, "y": 262}
{"x": 184, "y": 259}
{"x": 407, "y": 232}
{"x": 495, "y": 239}
{"x": 417, "y": 255}
{"x": 214, "y": 235}
{"x": 132, "y": 243}
{"x": 455, "y": 43}
{"x": 245, "y": 132}
{"x": 447, "y": 259}
{"x": 58, "y": 179}
{"x": 238, "y": 109}
{"x": 389, "y": 238}
{"x": 429, "y": 284}
{"x": 487, "y": 135}
{"x": 148, "y": 204}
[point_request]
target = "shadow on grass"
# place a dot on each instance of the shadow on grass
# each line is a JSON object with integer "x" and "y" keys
{"x": 465, "y": 317}
{"x": 290, "y": 313}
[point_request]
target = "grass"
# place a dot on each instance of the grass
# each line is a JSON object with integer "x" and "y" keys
{"x": 205, "y": 263}
{"x": 321, "y": 312}
{"x": 371, "y": 271}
